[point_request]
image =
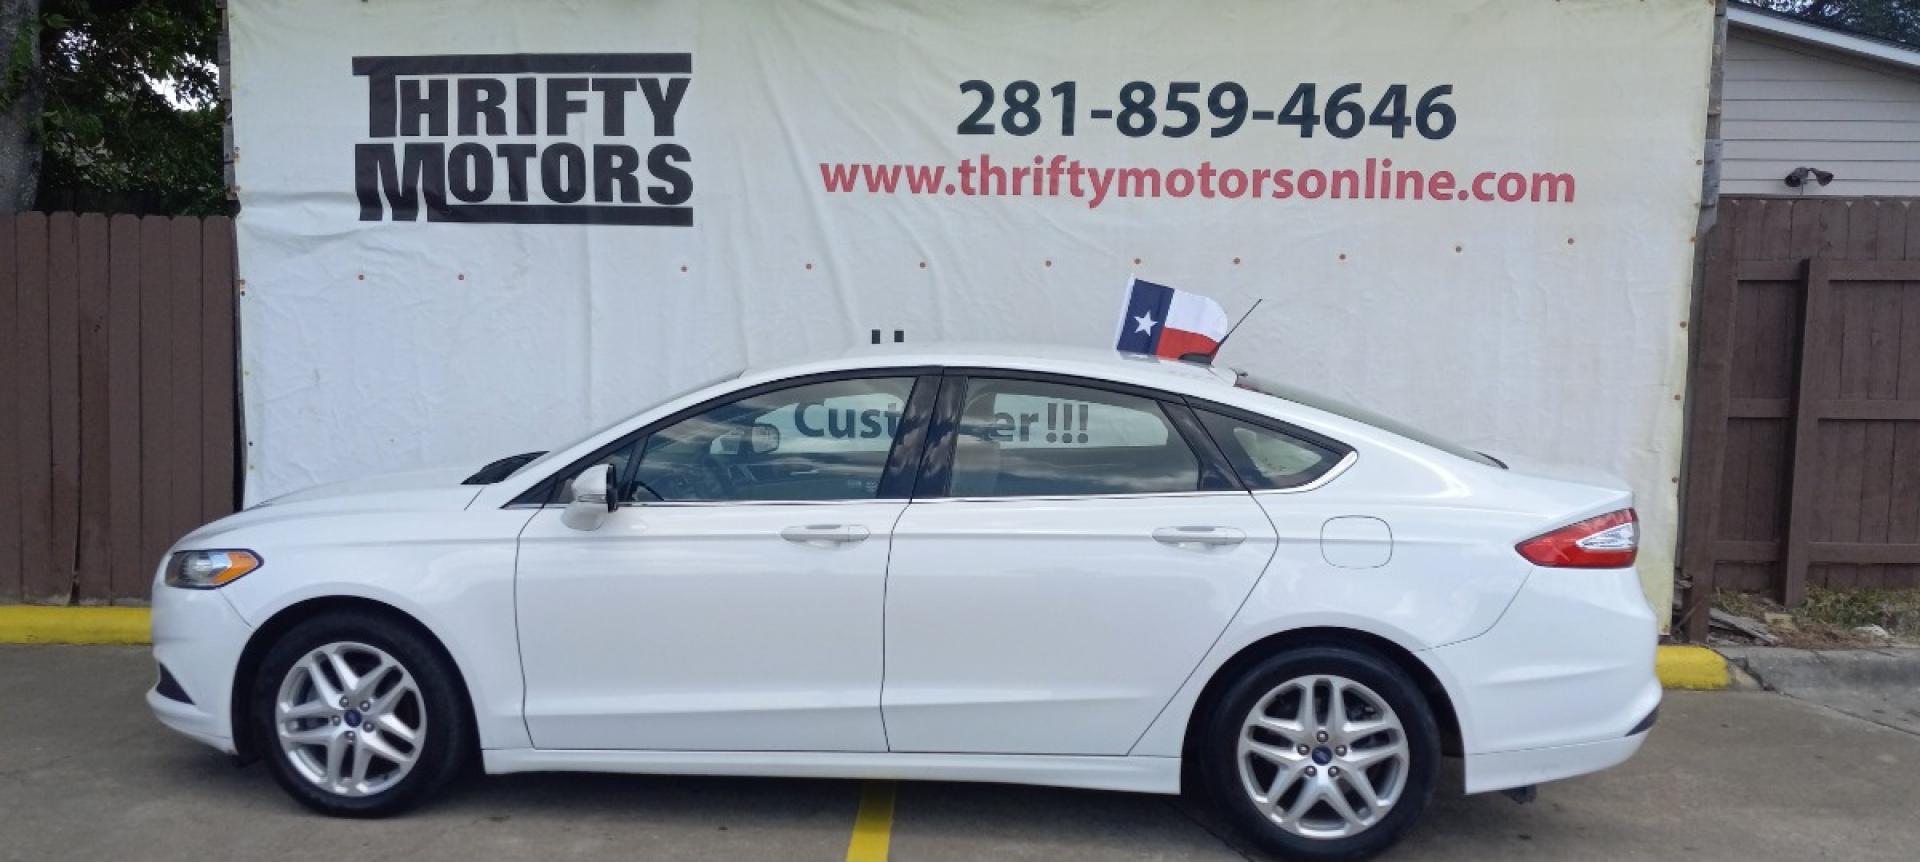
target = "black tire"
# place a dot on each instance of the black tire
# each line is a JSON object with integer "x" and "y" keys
{"x": 1217, "y": 750}
{"x": 449, "y": 721}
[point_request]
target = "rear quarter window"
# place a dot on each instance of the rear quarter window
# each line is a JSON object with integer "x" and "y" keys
{"x": 1267, "y": 458}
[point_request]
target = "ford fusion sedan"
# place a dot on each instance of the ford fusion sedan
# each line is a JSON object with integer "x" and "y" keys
{"x": 1040, "y": 566}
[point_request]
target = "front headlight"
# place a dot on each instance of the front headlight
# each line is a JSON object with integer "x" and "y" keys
{"x": 205, "y": 570}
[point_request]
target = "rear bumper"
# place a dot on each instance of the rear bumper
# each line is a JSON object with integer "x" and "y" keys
{"x": 1561, "y": 686}
{"x": 198, "y": 637}
{"x": 1499, "y": 771}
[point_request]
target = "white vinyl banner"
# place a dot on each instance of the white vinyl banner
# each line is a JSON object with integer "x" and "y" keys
{"x": 470, "y": 229}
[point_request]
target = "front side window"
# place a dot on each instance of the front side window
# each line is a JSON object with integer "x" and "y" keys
{"x": 549, "y": 455}
{"x": 815, "y": 441}
{"x": 1267, "y": 459}
{"x": 1023, "y": 438}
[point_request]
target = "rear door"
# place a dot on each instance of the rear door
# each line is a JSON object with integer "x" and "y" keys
{"x": 1072, "y": 550}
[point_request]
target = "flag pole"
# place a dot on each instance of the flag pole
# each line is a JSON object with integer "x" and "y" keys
{"x": 1236, "y": 328}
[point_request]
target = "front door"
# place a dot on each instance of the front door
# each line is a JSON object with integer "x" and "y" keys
{"x": 1071, "y": 556}
{"x": 734, "y": 600}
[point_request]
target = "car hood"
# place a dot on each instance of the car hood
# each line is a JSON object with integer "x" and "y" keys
{"x": 429, "y": 486}
{"x": 434, "y": 489}
{"x": 419, "y": 490}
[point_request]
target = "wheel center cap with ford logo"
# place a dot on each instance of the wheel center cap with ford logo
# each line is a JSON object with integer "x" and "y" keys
{"x": 1322, "y": 755}
{"x": 352, "y": 718}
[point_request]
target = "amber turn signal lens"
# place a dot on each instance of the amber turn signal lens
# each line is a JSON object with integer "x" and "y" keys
{"x": 205, "y": 570}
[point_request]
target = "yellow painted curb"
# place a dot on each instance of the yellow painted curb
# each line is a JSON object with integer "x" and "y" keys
{"x": 41, "y": 624}
{"x": 1690, "y": 667}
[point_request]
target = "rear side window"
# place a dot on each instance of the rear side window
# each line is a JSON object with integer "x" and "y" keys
{"x": 1268, "y": 459}
{"x": 1025, "y": 438}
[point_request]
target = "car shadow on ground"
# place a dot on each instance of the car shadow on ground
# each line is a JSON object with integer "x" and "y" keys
{"x": 931, "y": 819}
{"x": 561, "y": 794}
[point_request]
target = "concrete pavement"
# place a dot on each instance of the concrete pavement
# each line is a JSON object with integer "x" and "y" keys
{"x": 1879, "y": 685}
{"x": 85, "y": 773}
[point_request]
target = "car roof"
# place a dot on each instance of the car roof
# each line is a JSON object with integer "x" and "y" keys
{"x": 1149, "y": 371}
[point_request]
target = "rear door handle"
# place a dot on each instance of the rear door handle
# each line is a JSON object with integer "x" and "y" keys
{"x": 833, "y": 533}
{"x": 1199, "y": 536}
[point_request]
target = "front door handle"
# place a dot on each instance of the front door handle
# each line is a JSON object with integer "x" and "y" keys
{"x": 1199, "y": 536}
{"x": 831, "y": 533}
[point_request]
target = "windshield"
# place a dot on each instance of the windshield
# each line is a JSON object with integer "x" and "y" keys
{"x": 1254, "y": 383}
{"x": 615, "y": 423}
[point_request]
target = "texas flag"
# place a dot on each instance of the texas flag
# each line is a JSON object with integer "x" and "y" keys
{"x": 1161, "y": 321}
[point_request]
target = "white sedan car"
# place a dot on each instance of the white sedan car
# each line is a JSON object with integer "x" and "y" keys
{"x": 1040, "y": 566}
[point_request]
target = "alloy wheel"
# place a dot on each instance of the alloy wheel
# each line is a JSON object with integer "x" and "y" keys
{"x": 350, "y": 719}
{"x": 1323, "y": 757}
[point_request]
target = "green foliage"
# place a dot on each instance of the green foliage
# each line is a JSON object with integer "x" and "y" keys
{"x": 132, "y": 116}
{"x": 1893, "y": 20}
{"x": 19, "y": 66}
{"x": 1828, "y": 617}
{"x": 1897, "y": 611}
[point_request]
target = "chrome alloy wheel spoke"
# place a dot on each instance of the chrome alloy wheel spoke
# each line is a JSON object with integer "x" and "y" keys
{"x": 350, "y": 719}
{"x": 1323, "y": 756}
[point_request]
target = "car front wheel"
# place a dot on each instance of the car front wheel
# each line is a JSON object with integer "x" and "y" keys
{"x": 358, "y": 716}
{"x": 1322, "y": 753}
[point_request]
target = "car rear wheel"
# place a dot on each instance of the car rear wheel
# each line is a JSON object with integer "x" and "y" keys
{"x": 359, "y": 717}
{"x": 1321, "y": 753}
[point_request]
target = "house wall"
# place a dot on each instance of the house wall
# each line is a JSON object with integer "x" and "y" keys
{"x": 1788, "y": 104}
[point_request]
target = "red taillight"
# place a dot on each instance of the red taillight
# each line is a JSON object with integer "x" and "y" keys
{"x": 1607, "y": 541}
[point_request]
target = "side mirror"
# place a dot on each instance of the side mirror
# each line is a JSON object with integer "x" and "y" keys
{"x": 593, "y": 499}
{"x": 765, "y": 439}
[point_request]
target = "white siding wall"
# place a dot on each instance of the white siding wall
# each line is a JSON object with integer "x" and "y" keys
{"x": 1788, "y": 104}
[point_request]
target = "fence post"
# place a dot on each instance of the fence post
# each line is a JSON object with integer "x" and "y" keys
{"x": 1710, "y": 391}
{"x": 1806, "y": 427}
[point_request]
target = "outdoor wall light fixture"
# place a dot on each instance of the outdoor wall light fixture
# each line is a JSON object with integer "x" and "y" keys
{"x": 1800, "y": 176}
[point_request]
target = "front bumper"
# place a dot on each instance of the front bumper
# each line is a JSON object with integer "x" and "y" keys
{"x": 1561, "y": 686}
{"x": 198, "y": 637}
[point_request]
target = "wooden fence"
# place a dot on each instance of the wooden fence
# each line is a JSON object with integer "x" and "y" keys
{"x": 117, "y": 351}
{"x": 1804, "y": 427}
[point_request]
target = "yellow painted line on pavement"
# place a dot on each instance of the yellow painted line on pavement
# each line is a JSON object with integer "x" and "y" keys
{"x": 1691, "y": 667}
{"x": 44, "y": 624}
{"x": 873, "y": 829}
